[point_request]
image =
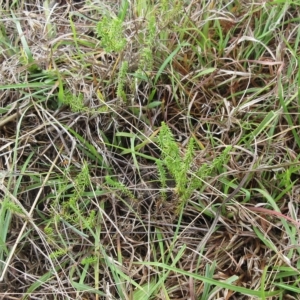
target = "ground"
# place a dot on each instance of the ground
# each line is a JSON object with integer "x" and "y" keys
{"x": 126, "y": 126}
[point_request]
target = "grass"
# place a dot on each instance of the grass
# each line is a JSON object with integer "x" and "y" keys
{"x": 124, "y": 125}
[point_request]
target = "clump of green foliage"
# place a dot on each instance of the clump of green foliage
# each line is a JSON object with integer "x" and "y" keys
{"x": 75, "y": 102}
{"x": 179, "y": 167}
{"x": 110, "y": 31}
{"x": 146, "y": 55}
{"x": 69, "y": 202}
{"x": 120, "y": 187}
{"x": 121, "y": 80}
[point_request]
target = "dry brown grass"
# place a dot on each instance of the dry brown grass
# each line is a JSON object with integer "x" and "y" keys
{"x": 233, "y": 82}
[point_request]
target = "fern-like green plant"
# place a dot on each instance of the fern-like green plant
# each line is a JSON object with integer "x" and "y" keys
{"x": 120, "y": 187}
{"x": 81, "y": 182}
{"x": 121, "y": 80}
{"x": 13, "y": 207}
{"x": 73, "y": 207}
{"x": 179, "y": 167}
{"x": 89, "y": 260}
{"x": 110, "y": 31}
{"x": 171, "y": 157}
{"x": 69, "y": 202}
{"x": 75, "y": 102}
{"x": 58, "y": 253}
{"x": 146, "y": 54}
